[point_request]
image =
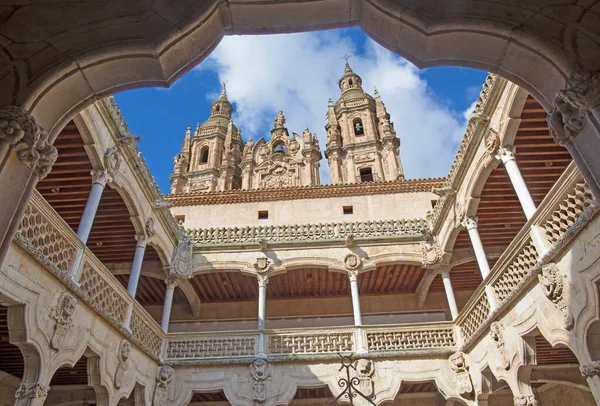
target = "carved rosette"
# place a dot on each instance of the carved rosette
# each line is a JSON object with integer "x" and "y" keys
{"x": 30, "y": 142}
{"x": 31, "y": 391}
{"x": 553, "y": 285}
{"x": 260, "y": 372}
{"x": 161, "y": 390}
{"x": 590, "y": 370}
{"x": 62, "y": 314}
{"x": 459, "y": 365}
{"x": 525, "y": 400}
{"x": 123, "y": 363}
{"x": 497, "y": 336}
{"x": 352, "y": 262}
{"x": 261, "y": 266}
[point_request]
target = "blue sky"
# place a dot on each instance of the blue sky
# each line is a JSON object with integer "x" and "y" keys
{"x": 297, "y": 73}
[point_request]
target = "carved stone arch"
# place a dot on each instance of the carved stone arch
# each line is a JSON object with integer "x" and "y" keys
{"x": 407, "y": 258}
{"x": 486, "y": 383}
{"x": 330, "y": 264}
{"x": 98, "y": 377}
{"x": 139, "y": 396}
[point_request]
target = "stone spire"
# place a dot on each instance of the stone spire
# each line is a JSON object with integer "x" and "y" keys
{"x": 221, "y": 106}
{"x": 349, "y": 80}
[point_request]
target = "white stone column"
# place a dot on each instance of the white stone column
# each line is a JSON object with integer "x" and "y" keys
{"x": 263, "y": 280}
{"x": 591, "y": 371}
{"x": 99, "y": 179}
{"x": 136, "y": 268}
{"x": 166, "y": 314}
{"x": 360, "y": 345}
{"x": 507, "y": 156}
{"x": 470, "y": 223}
{"x": 445, "y": 274}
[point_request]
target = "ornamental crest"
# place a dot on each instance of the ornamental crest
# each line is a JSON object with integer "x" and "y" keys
{"x": 552, "y": 284}
{"x": 352, "y": 262}
{"x": 365, "y": 369}
{"x": 182, "y": 262}
{"x": 461, "y": 370}
{"x": 161, "y": 390}
{"x": 112, "y": 161}
{"x": 262, "y": 265}
{"x": 123, "y": 364}
{"x": 431, "y": 250}
{"x": 293, "y": 147}
{"x": 260, "y": 371}
{"x": 62, "y": 314}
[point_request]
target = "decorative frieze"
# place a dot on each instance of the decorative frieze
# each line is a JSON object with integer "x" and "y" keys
{"x": 525, "y": 400}
{"x": 552, "y": 283}
{"x": 32, "y": 391}
{"x": 308, "y": 232}
{"x": 62, "y": 314}
{"x": 458, "y": 363}
{"x": 497, "y": 336}
{"x": 161, "y": 390}
{"x": 122, "y": 364}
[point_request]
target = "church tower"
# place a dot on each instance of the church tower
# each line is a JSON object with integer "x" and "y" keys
{"x": 210, "y": 157}
{"x": 283, "y": 161}
{"x": 362, "y": 145}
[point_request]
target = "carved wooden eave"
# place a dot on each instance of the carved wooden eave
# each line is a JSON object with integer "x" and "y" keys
{"x": 305, "y": 192}
{"x": 118, "y": 128}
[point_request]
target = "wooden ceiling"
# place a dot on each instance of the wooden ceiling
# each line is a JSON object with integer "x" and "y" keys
{"x": 541, "y": 162}
{"x": 209, "y": 397}
{"x": 313, "y": 393}
{"x": 545, "y": 354}
{"x": 464, "y": 277}
{"x": 66, "y": 188}
{"x": 151, "y": 291}
{"x": 11, "y": 359}
{"x": 417, "y": 387}
{"x": 77, "y": 375}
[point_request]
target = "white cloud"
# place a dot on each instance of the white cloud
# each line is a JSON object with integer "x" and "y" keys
{"x": 298, "y": 73}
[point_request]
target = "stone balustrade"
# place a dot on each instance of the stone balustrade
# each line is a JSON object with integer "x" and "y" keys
{"x": 308, "y": 232}
{"x": 56, "y": 246}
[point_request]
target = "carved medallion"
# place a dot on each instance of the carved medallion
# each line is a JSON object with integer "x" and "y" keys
{"x": 62, "y": 314}
{"x": 112, "y": 161}
{"x": 352, "y": 262}
{"x": 261, "y": 265}
{"x": 365, "y": 369}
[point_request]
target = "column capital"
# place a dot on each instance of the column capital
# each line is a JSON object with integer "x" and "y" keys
{"x": 525, "y": 400}
{"x": 444, "y": 272}
{"x": 565, "y": 122}
{"x": 30, "y": 142}
{"x": 582, "y": 91}
{"x": 590, "y": 370}
{"x": 505, "y": 153}
{"x": 469, "y": 223}
{"x": 263, "y": 280}
{"x": 171, "y": 282}
{"x": 142, "y": 240}
{"x": 100, "y": 176}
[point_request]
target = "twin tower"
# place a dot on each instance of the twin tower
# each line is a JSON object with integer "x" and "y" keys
{"x": 362, "y": 146}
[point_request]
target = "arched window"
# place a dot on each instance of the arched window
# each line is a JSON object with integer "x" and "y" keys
{"x": 349, "y": 82}
{"x": 204, "y": 155}
{"x": 366, "y": 175}
{"x": 358, "y": 127}
{"x": 217, "y": 108}
{"x": 279, "y": 147}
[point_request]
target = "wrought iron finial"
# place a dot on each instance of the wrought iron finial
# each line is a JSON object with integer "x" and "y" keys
{"x": 346, "y": 57}
{"x": 349, "y": 384}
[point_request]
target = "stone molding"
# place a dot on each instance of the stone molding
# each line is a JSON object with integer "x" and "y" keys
{"x": 304, "y": 192}
{"x": 308, "y": 232}
{"x": 30, "y": 142}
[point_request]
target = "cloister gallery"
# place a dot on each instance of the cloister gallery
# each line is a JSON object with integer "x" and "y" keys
{"x": 245, "y": 283}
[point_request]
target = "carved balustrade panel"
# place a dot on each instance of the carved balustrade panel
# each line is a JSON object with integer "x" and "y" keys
{"x": 101, "y": 293}
{"x": 146, "y": 332}
{"x": 315, "y": 342}
{"x": 408, "y": 339}
{"x": 41, "y": 235}
{"x": 224, "y": 345}
{"x": 516, "y": 271}
{"x": 567, "y": 212}
{"x": 475, "y": 316}
{"x": 309, "y": 232}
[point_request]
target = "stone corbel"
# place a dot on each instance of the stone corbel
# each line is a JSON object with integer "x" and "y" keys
{"x": 565, "y": 122}
{"x": 161, "y": 390}
{"x": 553, "y": 283}
{"x": 30, "y": 142}
{"x": 582, "y": 91}
{"x": 31, "y": 391}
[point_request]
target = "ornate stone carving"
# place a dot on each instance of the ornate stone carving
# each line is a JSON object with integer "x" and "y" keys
{"x": 525, "y": 400}
{"x": 161, "y": 390}
{"x": 350, "y": 241}
{"x": 582, "y": 91}
{"x": 260, "y": 371}
{"x": 492, "y": 141}
{"x": 365, "y": 369}
{"x": 100, "y": 176}
{"x": 62, "y": 314}
{"x": 261, "y": 265}
{"x": 18, "y": 128}
{"x": 469, "y": 222}
{"x": 590, "y": 370}
{"x": 431, "y": 250}
{"x": 182, "y": 262}
{"x": 565, "y": 122}
{"x": 459, "y": 365}
{"x": 497, "y": 336}
{"x": 294, "y": 147}
{"x": 112, "y": 161}
{"x": 552, "y": 284}
{"x": 279, "y": 120}
{"x": 352, "y": 262}
{"x": 263, "y": 245}
{"x": 278, "y": 177}
{"x": 443, "y": 191}
{"x": 123, "y": 363}
{"x": 149, "y": 227}
{"x": 31, "y": 391}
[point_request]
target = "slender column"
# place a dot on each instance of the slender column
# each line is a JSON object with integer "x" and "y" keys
{"x": 507, "y": 156}
{"x": 591, "y": 371}
{"x": 263, "y": 280}
{"x": 136, "y": 268}
{"x": 470, "y": 223}
{"x": 352, "y": 275}
{"x": 166, "y": 314}
{"x": 99, "y": 179}
{"x": 445, "y": 273}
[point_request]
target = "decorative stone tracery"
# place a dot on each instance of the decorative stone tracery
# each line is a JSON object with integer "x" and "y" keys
{"x": 62, "y": 314}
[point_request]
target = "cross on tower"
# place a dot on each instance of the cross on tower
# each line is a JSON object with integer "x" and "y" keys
{"x": 225, "y": 86}
{"x": 346, "y": 57}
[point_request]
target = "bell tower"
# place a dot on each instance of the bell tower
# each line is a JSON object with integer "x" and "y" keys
{"x": 362, "y": 145}
{"x": 210, "y": 157}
